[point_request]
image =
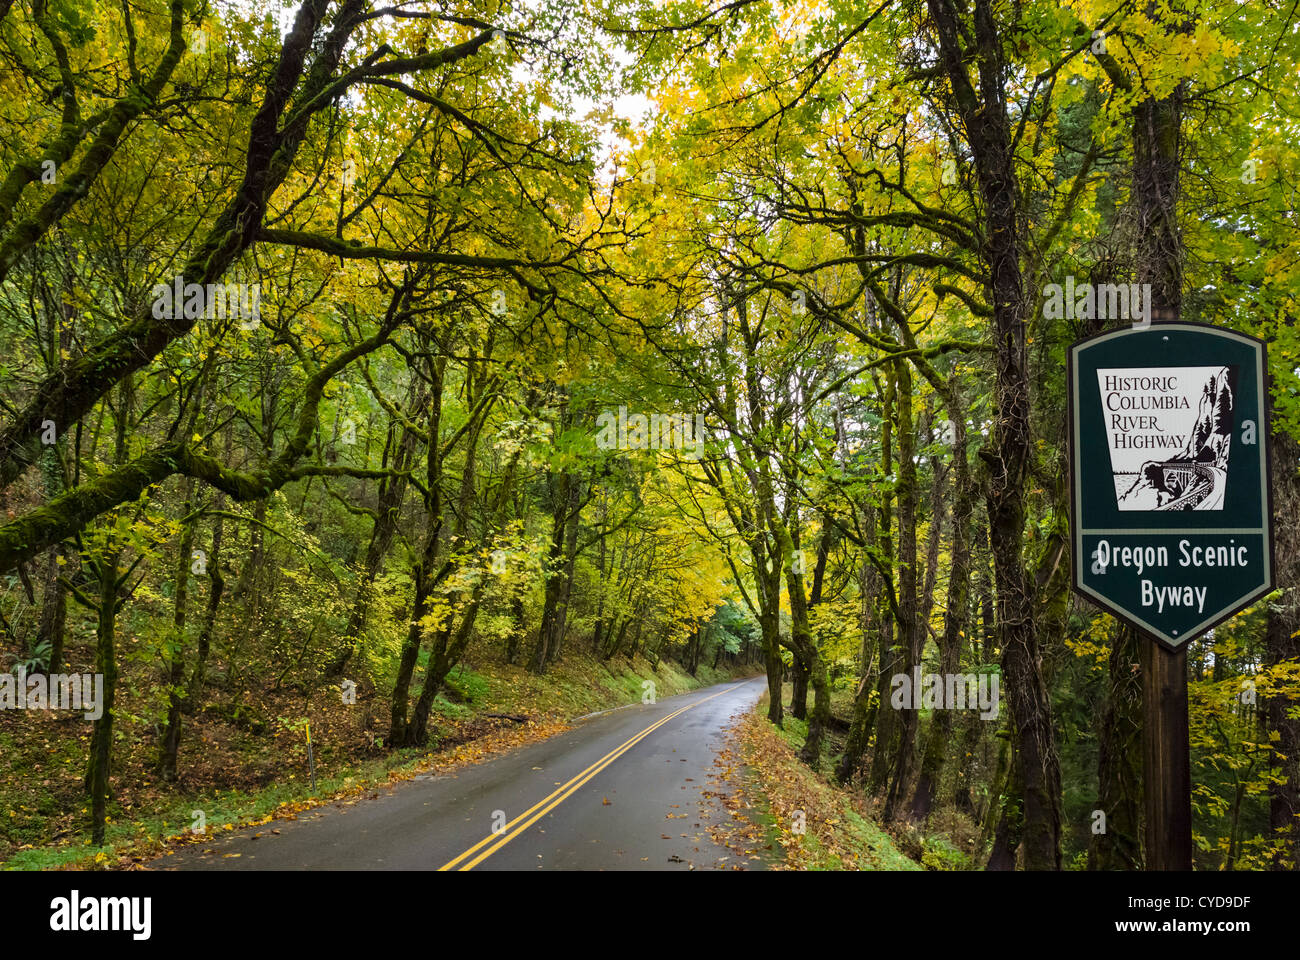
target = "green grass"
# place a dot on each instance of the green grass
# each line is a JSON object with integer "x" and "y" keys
{"x": 873, "y": 843}
{"x": 466, "y": 686}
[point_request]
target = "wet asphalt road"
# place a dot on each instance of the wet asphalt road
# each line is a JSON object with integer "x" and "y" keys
{"x": 653, "y": 763}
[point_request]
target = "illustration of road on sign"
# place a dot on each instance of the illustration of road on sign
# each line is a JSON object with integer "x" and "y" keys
{"x": 1169, "y": 432}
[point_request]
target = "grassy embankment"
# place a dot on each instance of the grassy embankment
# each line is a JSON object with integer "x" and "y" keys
{"x": 811, "y": 823}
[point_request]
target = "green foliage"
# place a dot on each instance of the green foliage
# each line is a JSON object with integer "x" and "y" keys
{"x": 394, "y": 475}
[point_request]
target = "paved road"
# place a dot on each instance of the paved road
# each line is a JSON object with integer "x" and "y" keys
{"x": 653, "y": 763}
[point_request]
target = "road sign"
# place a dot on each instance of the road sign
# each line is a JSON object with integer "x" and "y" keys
{"x": 1169, "y": 481}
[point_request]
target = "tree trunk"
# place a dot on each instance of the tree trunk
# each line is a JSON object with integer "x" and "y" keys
{"x": 447, "y": 651}
{"x": 938, "y": 481}
{"x": 1119, "y": 760}
{"x": 566, "y": 578}
{"x": 175, "y": 660}
{"x": 891, "y": 657}
{"x": 988, "y": 130}
{"x": 54, "y": 599}
{"x": 799, "y": 672}
{"x": 768, "y": 627}
{"x": 809, "y": 657}
{"x": 954, "y": 618}
{"x": 1281, "y": 644}
{"x": 911, "y": 631}
{"x": 101, "y": 739}
{"x": 984, "y": 653}
{"x": 218, "y": 585}
{"x": 855, "y": 744}
{"x": 563, "y": 495}
{"x": 391, "y": 492}
{"x": 1010, "y": 822}
{"x": 423, "y": 575}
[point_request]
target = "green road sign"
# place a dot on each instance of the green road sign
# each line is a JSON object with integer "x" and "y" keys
{"x": 1169, "y": 479}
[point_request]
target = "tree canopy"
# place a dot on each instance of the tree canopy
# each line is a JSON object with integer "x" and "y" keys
{"x": 357, "y": 342}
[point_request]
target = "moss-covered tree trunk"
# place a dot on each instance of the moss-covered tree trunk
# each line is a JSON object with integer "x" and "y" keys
{"x": 1282, "y": 643}
{"x": 911, "y": 633}
{"x": 101, "y": 738}
{"x": 565, "y": 494}
{"x": 982, "y": 107}
{"x": 576, "y": 495}
{"x": 1119, "y": 760}
{"x": 54, "y": 598}
{"x": 802, "y": 642}
{"x": 891, "y": 660}
{"x": 217, "y": 586}
{"x": 423, "y": 573}
{"x": 954, "y": 617}
{"x": 174, "y": 659}
{"x": 799, "y": 673}
{"x": 860, "y": 722}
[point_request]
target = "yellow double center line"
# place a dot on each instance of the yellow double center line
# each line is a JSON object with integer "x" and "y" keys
{"x": 561, "y": 793}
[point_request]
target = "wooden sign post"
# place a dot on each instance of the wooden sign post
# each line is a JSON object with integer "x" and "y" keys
{"x": 1166, "y": 757}
{"x": 1171, "y": 519}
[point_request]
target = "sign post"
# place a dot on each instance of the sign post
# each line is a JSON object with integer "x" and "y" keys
{"x": 1171, "y": 532}
{"x": 1166, "y": 757}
